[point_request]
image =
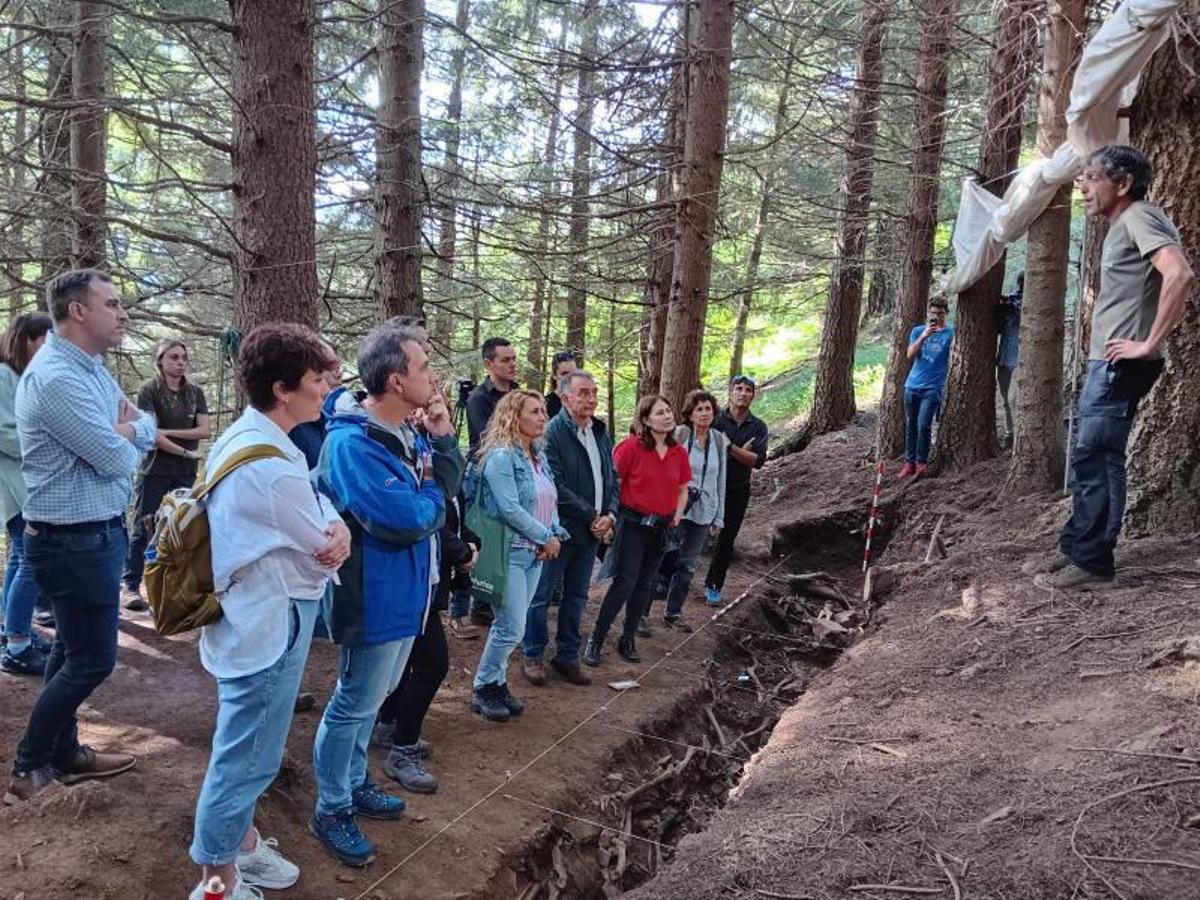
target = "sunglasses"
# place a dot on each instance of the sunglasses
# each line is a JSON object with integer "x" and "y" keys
{"x": 743, "y": 379}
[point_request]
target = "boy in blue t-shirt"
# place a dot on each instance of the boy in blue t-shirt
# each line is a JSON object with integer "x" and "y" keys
{"x": 929, "y": 351}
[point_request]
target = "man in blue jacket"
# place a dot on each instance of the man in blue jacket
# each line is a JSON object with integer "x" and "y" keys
{"x": 580, "y": 455}
{"x": 382, "y": 481}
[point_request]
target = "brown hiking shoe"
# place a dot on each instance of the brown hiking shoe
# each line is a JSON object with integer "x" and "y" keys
{"x": 133, "y": 600}
{"x": 304, "y": 702}
{"x": 24, "y": 785}
{"x": 570, "y": 672}
{"x": 89, "y": 764}
{"x": 1042, "y": 565}
{"x": 1070, "y": 577}
{"x": 535, "y": 672}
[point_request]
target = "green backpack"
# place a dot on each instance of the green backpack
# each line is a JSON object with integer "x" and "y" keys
{"x": 179, "y": 577}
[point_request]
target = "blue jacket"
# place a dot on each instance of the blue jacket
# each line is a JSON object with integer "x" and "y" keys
{"x": 370, "y": 473}
{"x": 509, "y": 494}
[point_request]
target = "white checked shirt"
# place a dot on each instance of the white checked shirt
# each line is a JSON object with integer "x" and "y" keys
{"x": 76, "y": 467}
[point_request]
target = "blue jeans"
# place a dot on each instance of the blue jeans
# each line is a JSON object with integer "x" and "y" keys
{"x": 509, "y": 627}
{"x": 1107, "y": 404}
{"x": 920, "y": 408}
{"x": 691, "y": 541}
{"x": 368, "y": 674}
{"x": 254, "y": 713}
{"x": 78, "y": 570}
{"x": 20, "y": 590}
{"x": 574, "y": 566}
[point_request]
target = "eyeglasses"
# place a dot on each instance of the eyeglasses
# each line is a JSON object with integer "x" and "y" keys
{"x": 743, "y": 379}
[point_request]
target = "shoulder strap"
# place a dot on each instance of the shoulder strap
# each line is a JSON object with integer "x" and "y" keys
{"x": 236, "y": 460}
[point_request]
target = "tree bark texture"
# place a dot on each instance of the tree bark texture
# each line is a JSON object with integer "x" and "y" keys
{"x": 711, "y": 38}
{"x": 833, "y": 391}
{"x": 55, "y": 202}
{"x": 968, "y": 429}
{"x": 1164, "y": 458}
{"x": 881, "y": 295}
{"x": 746, "y": 297}
{"x": 1038, "y": 442}
{"x": 443, "y": 322}
{"x": 581, "y": 183}
{"x": 89, "y": 135}
{"x": 13, "y": 237}
{"x": 274, "y": 162}
{"x": 937, "y": 19}
{"x": 399, "y": 193}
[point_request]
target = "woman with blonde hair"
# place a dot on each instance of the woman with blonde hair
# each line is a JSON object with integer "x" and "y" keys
{"x": 517, "y": 489}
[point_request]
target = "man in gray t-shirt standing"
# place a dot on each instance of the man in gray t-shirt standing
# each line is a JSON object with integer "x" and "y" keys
{"x": 1144, "y": 283}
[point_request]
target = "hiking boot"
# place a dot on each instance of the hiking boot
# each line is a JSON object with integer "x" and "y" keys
{"x": 341, "y": 837}
{"x": 304, "y": 702}
{"x": 591, "y": 653}
{"x": 424, "y": 748}
{"x": 383, "y": 734}
{"x": 25, "y": 785}
{"x": 89, "y": 764}
{"x": 628, "y": 650}
{"x": 132, "y": 599}
{"x": 907, "y": 470}
{"x": 489, "y": 703}
{"x": 677, "y": 623}
{"x": 43, "y": 643}
{"x": 483, "y": 616}
{"x": 922, "y": 468}
{"x": 403, "y": 766}
{"x": 1071, "y": 576}
{"x": 534, "y": 671}
{"x": 1045, "y": 565}
{"x": 265, "y": 867}
{"x": 712, "y": 596}
{"x": 240, "y": 891}
{"x": 374, "y": 802}
{"x": 29, "y": 661}
{"x": 44, "y": 617}
{"x": 643, "y": 628}
{"x": 462, "y": 629}
{"x": 514, "y": 706}
{"x": 571, "y": 672}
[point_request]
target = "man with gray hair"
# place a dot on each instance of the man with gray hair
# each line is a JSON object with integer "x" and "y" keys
{"x": 81, "y": 440}
{"x": 380, "y": 475}
{"x": 580, "y": 454}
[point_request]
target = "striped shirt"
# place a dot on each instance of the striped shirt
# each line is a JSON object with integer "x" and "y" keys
{"x": 76, "y": 466}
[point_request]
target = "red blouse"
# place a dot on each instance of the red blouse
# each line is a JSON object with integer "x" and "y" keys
{"x": 650, "y": 485}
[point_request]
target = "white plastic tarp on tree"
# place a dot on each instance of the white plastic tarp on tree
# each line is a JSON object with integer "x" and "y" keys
{"x": 1105, "y": 81}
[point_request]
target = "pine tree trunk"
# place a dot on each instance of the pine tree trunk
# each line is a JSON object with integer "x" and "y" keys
{"x": 399, "y": 193}
{"x": 54, "y": 207}
{"x": 929, "y": 129}
{"x": 581, "y": 183}
{"x": 443, "y": 320}
{"x": 881, "y": 295}
{"x": 746, "y": 297}
{"x": 274, "y": 162}
{"x": 13, "y": 235}
{"x": 1164, "y": 457}
{"x": 833, "y": 392}
{"x": 1038, "y": 444}
{"x": 711, "y": 38}
{"x": 89, "y": 135}
{"x": 968, "y": 429}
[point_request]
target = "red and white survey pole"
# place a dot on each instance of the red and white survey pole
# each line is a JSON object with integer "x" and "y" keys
{"x": 214, "y": 889}
{"x": 874, "y": 514}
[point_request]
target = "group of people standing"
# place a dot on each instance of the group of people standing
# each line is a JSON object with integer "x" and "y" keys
{"x": 354, "y": 524}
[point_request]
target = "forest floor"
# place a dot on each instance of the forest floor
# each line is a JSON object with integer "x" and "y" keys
{"x": 1008, "y": 749}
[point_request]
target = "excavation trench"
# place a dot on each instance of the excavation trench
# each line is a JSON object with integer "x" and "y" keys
{"x": 669, "y": 781}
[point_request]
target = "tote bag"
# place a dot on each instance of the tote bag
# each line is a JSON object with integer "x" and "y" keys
{"x": 489, "y": 578}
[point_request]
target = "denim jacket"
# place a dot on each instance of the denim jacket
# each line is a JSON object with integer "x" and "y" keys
{"x": 509, "y": 493}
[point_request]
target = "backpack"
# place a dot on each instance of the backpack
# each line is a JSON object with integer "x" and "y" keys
{"x": 179, "y": 577}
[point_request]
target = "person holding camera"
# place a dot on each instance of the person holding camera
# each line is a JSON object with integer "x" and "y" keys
{"x": 929, "y": 352}
{"x": 654, "y": 474}
{"x": 181, "y": 411}
{"x": 708, "y": 451}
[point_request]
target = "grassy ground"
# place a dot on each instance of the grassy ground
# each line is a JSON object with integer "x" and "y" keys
{"x": 786, "y": 397}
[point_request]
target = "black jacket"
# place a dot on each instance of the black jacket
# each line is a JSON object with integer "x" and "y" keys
{"x": 456, "y": 537}
{"x": 573, "y": 475}
{"x": 481, "y": 403}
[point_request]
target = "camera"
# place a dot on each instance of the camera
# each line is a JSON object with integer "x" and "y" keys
{"x": 465, "y": 386}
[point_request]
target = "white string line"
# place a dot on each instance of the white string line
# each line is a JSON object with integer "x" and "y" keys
{"x": 655, "y": 737}
{"x": 570, "y": 733}
{"x": 567, "y": 815}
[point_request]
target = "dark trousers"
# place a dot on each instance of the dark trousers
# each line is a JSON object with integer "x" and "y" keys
{"x": 572, "y": 570}
{"x": 428, "y": 664}
{"x": 78, "y": 570}
{"x": 150, "y": 491}
{"x": 737, "y": 498}
{"x": 1097, "y": 479}
{"x": 920, "y": 408}
{"x": 691, "y": 536}
{"x": 1004, "y": 376}
{"x": 639, "y": 550}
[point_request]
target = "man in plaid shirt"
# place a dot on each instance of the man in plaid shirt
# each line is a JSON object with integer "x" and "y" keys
{"x": 81, "y": 440}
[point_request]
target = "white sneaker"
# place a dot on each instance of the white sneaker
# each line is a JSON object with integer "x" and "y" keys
{"x": 241, "y": 891}
{"x": 265, "y": 867}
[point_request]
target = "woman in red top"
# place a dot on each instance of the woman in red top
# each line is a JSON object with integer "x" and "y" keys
{"x": 654, "y": 473}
